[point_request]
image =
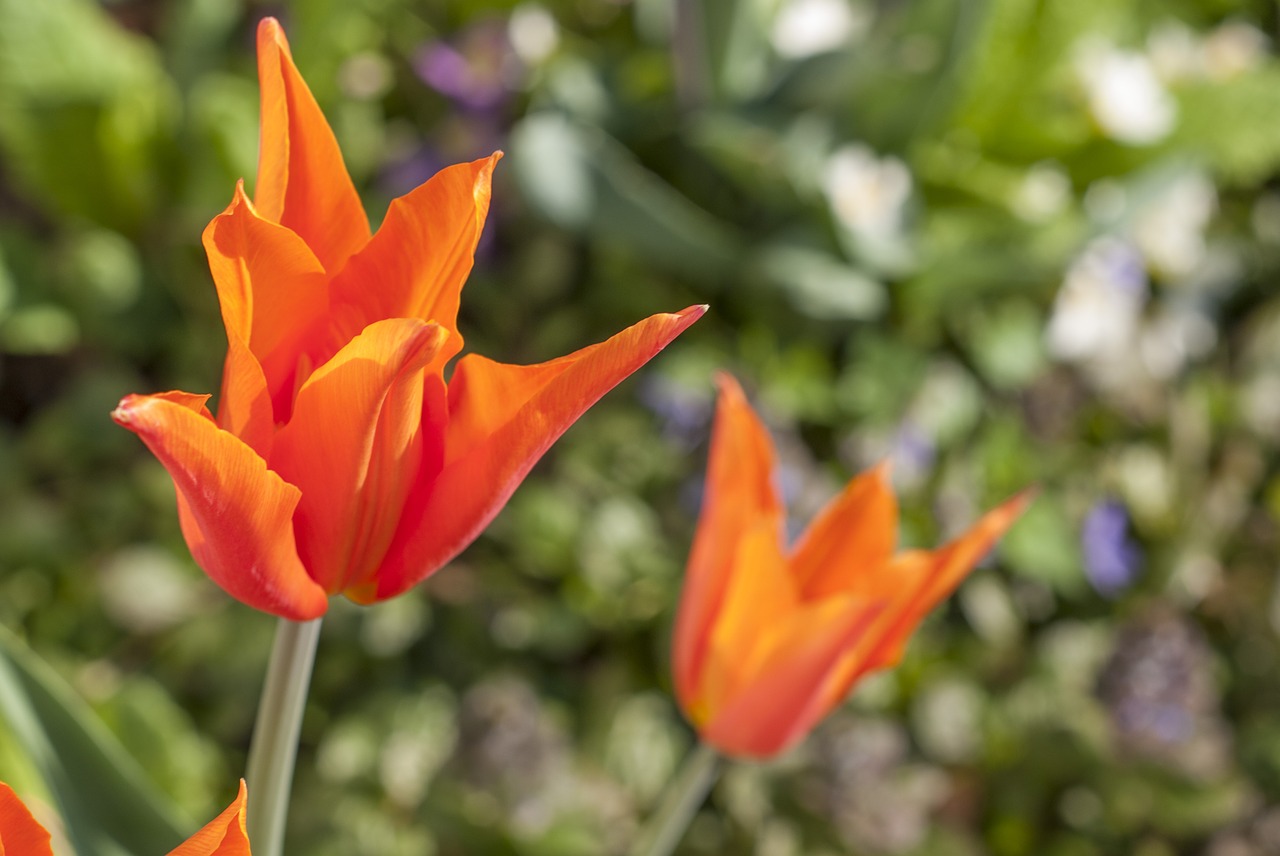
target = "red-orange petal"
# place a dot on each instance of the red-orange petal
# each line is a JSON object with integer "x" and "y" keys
{"x": 225, "y": 835}
{"x": 784, "y": 700}
{"x": 236, "y": 514}
{"x": 20, "y": 833}
{"x": 502, "y": 419}
{"x": 302, "y": 180}
{"x": 739, "y": 495}
{"x": 244, "y": 406}
{"x": 420, "y": 256}
{"x": 355, "y": 447}
{"x": 854, "y": 536}
{"x": 273, "y": 293}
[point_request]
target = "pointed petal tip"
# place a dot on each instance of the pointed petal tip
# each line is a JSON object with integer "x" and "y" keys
{"x": 484, "y": 169}
{"x": 269, "y": 30}
{"x": 726, "y": 382}
{"x": 131, "y": 408}
{"x": 1011, "y": 509}
{"x": 239, "y": 200}
{"x": 123, "y": 414}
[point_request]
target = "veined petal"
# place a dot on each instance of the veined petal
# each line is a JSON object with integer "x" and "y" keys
{"x": 854, "y": 536}
{"x": 302, "y": 180}
{"x": 759, "y": 599}
{"x": 739, "y": 496}
{"x": 272, "y": 290}
{"x": 502, "y": 418}
{"x": 225, "y": 835}
{"x": 355, "y": 447}
{"x": 416, "y": 263}
{"x": 236, "y": 515}
{"x": 784, "y": 699}
{"x": 20, "y": 833}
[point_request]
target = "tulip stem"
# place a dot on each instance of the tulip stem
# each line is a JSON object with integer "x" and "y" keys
{"x": 274, "y": 747}
{"x": 667, "y": 825}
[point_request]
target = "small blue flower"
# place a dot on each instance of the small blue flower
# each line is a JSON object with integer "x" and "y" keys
{"x": 1111, "y": 558}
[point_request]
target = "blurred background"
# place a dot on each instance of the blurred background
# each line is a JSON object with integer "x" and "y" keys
{"x": 1000, "y": 242}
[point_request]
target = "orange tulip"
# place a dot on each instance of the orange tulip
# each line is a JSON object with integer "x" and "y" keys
{"x": 22, "y": 835}
{"x": 769, "y": 639}
{"x": 341, "y": 461}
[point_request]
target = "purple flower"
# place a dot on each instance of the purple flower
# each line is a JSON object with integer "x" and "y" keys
{"x": 1111, "y": 558}
{"x": 476, "y": 70}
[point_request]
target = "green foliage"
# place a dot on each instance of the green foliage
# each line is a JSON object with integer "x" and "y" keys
{"x": 936, "y": 240}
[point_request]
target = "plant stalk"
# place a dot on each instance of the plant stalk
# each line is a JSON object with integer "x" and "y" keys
{"x": 668, "y": 824}
{"x": 274, "y": 746}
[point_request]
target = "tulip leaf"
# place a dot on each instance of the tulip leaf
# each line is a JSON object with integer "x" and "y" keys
{"x": 107, "y": 805}
{"x": 822, "y": 286}
{"x": 586, "y": 181}
{"x": 86, "y": 111}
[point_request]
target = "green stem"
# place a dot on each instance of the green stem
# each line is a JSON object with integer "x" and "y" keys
{"x": 275, "y": 734}
{"x": 667, "y": 825}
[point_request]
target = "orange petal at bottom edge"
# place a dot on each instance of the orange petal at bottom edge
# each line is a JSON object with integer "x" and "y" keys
{"x": 225, "y": 835}
{"x": 20, "y": 833}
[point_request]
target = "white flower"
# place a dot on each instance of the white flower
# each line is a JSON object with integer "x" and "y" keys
{"x": 1174, "y": 337}
{"x": 803, "y": 28}
{"x": 1175, "y": 52}
{"x": 1125, "y": 96}
{"x": 867, "y": 194}
{"x": 1232, "y": 49}
{"x": 1170, "y": 228}
{"x": 533, "y": 33}
{"x": 1043, "y": 192}
{"x": 1098, "y": 309}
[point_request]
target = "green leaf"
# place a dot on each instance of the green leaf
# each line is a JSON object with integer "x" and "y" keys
{"x": 586, "y": 181}
{"x": 822, "y": 286}
{"x": 86, "y": 110}
{"x": 107, "y": 805}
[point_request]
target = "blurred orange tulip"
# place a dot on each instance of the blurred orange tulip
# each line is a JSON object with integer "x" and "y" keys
{"x": 769, "y": 639}
{"x": 340, "y": 460}
{"x": 22, "y": 835}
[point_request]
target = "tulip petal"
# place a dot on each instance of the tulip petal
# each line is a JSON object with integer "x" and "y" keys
{"x": 912, "y": 584}
{"x": 244, "y": 407}
{"x": 225, "y": 835}
{"x": 853, "y": 536}
{"x": 758, "y": 598}
{"x": 929, "y": 577}
{"x": 302, "y": 181}
{"x": 785, "y": 699}
{"x": 20, "y": 833}
{"x": 272, "y": 290}
{"x": 236, "y": 515}
{"x": 739, "y": 495}
{"x": 502, "y": 419}
{"x": 355, "y": 447}
{"x": 416, "y": 263}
